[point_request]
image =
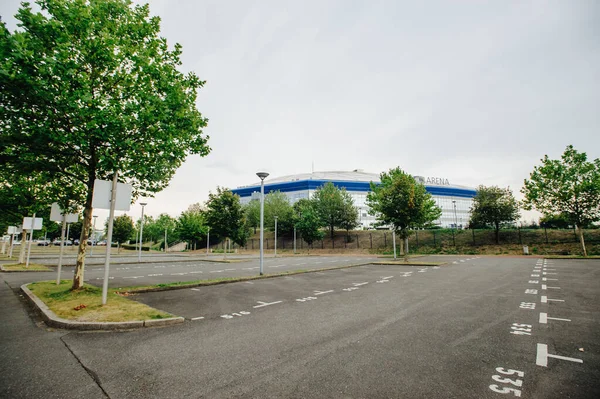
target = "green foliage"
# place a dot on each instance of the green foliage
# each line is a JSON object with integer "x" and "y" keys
{"x": 252, "y": 211}
{"x": 493, "y": 206}
{"x": 559, "y": 221}
{"x": 122, "y": 229}
{"x": 307, "y": 221}
{"x": 90, "y": 88}
{"x": 335, "y": 207}
{"x": 278, "y": 204}
{"x": 401, "y": 202}
{"x": 569, "y": 186}
{"x": 190, "y": 226}
{"x": 226, "y": 217}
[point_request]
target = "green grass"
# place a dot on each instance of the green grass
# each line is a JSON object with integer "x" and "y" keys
{"x": 17, "y": 267}
{"x": 62, "y": 301}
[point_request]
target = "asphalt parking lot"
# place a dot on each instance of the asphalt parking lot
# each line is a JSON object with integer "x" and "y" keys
{"x": 475, "y": 328}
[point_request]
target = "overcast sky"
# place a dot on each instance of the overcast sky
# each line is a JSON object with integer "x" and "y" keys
{"x": 475, "y": 92}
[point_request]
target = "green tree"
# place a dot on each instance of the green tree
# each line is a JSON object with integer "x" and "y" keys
{"x": 190, "y": 226}
{"x": 332, "y": 205}
{"x": 307, "y": 221}
{"x": 493, "y": 206}
{"x": 252, "y": 211}
{"x": 568, "y": 186}
{"x": 225, "y": 216}
{"x": 402, "y": 203}
{"x": 278, "y": 204}
{"x": 349, "y": 219}
{"x": 89, "y": 89}
{"x": 122, "y": 229}
{"x": 555, "y": 221}
{"x": 166, "y": 224}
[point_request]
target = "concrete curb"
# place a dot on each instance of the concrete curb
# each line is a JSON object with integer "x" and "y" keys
{"x": 2, "y": 269}
{"x": 158, "y": 261}
{"x": 51, "y": 319}
{"x": 402, "y": 263}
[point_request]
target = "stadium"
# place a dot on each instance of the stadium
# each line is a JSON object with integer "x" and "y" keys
{"x": 455, "y": 201}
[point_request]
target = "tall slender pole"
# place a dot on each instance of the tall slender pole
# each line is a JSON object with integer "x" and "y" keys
{"x": 275, "y": 237}
{"x": 262, "y": 215}
{"x": 166, "y": 239}
{"x": 207, "y": 241}
{"x": 93, "y": 235}
{"x": 394, "y": 241}
{"x": 68, "y": 227}
{"x": 111, "y": 216}
{"x": 455, "y": 219}
{"x": 30, "y": 240}
{"x": 294, "y": 240}
{"x": 62, "y": 246}
{"x": 141, "y": 232}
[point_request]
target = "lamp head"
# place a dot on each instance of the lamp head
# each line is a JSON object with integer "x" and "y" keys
{"x": 143, "y": 203}
{"x": 262, "y": 175}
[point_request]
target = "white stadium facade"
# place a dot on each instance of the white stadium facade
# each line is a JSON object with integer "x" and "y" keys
{"x": 455, "y": 201}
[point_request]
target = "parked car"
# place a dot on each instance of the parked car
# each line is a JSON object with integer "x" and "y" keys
{"x": 103, "y": 242}
{"x": 67, "y": 242}
{"x": 43, "y": 243}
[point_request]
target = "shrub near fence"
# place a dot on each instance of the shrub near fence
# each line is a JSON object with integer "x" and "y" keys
{"x": 438, "y": 238}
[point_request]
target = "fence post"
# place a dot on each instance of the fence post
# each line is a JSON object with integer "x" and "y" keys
{"x": 434, "y": 243}
{"x": 357, "y": 241}
{"x": 267, "y": 242}
{"x": 384, "y": 240}
{"x": 546, "y": 233}
{"x": 346, "y": 243}
{"x": 520, "y": 238}
{"x": 333, "y": 242}
{"x": 322, "y": 244}
{"x": 417, "y": 237}
{"x": 453, "y": 237}
{"x": 473, "y": 230}
{"x": 371, "y": 239}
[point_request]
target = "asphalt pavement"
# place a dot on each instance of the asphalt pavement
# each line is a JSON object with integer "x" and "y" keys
{"x": 478, "y": 327}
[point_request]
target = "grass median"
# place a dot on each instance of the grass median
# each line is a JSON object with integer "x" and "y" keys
{"x": 86, "y": 304}
{"x": 20, "y": 267}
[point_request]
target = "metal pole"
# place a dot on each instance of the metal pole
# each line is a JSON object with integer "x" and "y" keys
{"x": 455, "y": 219}
{"x": 141, "y": 232}
{"x": 93, "y": 235}
{"x": 394, "y": 241}
{"x": 68, "y": 227}
{"x": 207, "y": 241}
{"x": 111, "y": 216}
{"x": 294, "y": 240}
{"x": 166, "y": 239}
{"x": 262, "y": 230}
{"x": 30, "y": 240}
{"x": 275, "y": 237}
{"x": 62, "y": 245}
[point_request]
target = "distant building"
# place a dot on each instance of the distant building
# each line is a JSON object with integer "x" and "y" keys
{"x": 454, "y": 200}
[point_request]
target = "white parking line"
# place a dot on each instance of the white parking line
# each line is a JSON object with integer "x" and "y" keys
{"x": 544, "y": 318}
{"x": 134, "y": 277}
{"x": 263, "y": 304}
{"x": 196, "y": 272}
{"x": 197, "y": 318}
{"x": 545, "y": 299}
{"x": 195, "y": 289}
{"x": 216, "y": 271}
{"x": 155, "y": 275}
{"x": 322, "y": 292}
{"x": 545, "y": 287}
{"x": 178, "y": 274}
{"x": 543, "y": 355}
{"x": 359, "y": 284}
{"x": 549, "y": 279}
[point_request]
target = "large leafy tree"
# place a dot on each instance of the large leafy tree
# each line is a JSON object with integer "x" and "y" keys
{"x": 278, "y": 204}
{"x": 226, "y": 217}
{"x": 402, "y": 203}
{"x": 493, "y": 206}
{"x": 89, "y": 89}
{"x": 569, "y": 186}
{"x": 332, "y": 205}
{"x": 252, "y": 210}
{"x": 307, "y": 221}
{"x": 123, "y": 229}
{"x": 190, "y": 226}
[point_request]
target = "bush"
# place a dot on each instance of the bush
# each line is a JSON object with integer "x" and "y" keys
{"x": 135, "y": 247}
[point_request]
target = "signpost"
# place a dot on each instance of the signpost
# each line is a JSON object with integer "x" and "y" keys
{"x": 31, "y": 223}
{"x": 116, "y": 197}
{"x": 12, "y": 230}
{"x": 57, "y": 215}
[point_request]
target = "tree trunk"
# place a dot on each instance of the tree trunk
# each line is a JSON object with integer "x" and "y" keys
{"x": 582, "y": 241}
{"x": 497, "y": 234}
{"x": 22, "y": 249}
{"x": 85, "y": 228}
{"x": 331, "y": 230}
{"x": 406, "y": 249}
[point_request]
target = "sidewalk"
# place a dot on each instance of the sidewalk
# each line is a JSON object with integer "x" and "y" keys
{"x": 35, "y": 363}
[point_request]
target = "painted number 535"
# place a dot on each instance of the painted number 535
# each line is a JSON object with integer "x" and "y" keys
{"x": 502, "y": 378}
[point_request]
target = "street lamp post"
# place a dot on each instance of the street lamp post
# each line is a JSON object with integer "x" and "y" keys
{"x": 262, "y": 176}
{"x": 93, "y": 235}
{"x": 207, "y": 241}
{"x": 294, "y": 240}
{"x": 143, "y": 204}
{"x": 455, "y": 219}
{"x": 275, "y": 237}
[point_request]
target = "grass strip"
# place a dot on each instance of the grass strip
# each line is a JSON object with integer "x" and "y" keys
{"x": 62, "y": 301}
{"x": 223, "y": 280}
{"x": 20, "y": 267}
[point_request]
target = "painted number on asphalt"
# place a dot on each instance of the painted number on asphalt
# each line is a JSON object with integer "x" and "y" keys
{"x": 527, "y": 305}
{"x": 238, "y": 314}
{"x": 521, "y": 329}
{"x": 508, "y": 382}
